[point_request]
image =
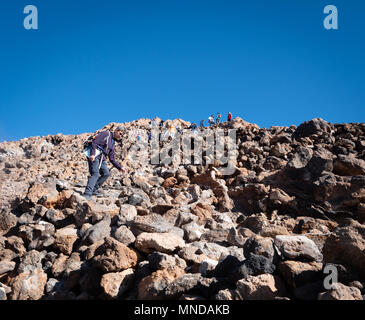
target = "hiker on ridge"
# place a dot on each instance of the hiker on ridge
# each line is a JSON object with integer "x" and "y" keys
{"x": 229, "y": 118}
{"x": 202, "y": 124}
{"x": 102, "y": 146}
{"x": 218, "y": 120}
{"x": 211, "y": 120}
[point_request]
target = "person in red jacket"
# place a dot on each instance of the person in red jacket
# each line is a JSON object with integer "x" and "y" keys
{"x": 229, "y": 118}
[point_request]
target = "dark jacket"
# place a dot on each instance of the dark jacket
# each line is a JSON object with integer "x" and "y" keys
{"x": 105, "y": 143}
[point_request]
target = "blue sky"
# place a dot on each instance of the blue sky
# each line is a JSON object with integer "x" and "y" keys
{"x": 94, "y": 62}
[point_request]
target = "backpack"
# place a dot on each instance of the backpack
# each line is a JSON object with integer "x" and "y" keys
{"x": 87, "y": 144}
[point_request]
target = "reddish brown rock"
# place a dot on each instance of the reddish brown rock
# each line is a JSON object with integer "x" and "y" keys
{"x": 114, "y": 256}
{"x": 151, "y": 287}
{"x": 28, "y": 285}
{"x": 347, "y": 246}
{"x": 115, "y": 284}
{"x": 341, "y": 292}
{"x": 65, "y": 239}
{"x": 261, "y": 287}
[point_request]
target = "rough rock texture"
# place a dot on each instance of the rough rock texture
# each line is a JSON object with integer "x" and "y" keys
{"x": 28, "y": 285}
{"x": 292, "y": 205}
{"x": 167, "y": 243}
{"x": 346, "y": 245}
{"x": 298, "y": 247}
{"x": 114, "y": 256}
{"x": 115, "y": 284}
{"x": 261, "y": 287}
{"x": 341, "y": 292}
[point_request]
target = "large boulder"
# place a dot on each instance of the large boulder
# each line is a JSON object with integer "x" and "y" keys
{"x": 316, "y": 126}
{"x": 115, "y": 284}
{"x": 114, "y": 256}
{"x": 28, "y": 285}
{"x": 163, "y": 242}
{"x": 152, "y": 223}
{"x": 346, "y": 245}
{"x": 259, "y": 246}
{"x": 298, "y": 247}
{"x": 98, "y": 231}
{"x": 341, "y": 292}
{"x": 37, "y": 236}
{"x": 45, "y": 193}
{"x": 124, "y": 235}
{"x": 261, "y": 287}
{"x": 65, "y": 239}
{"x": 158, "y": 260}
{"x": 183, "y": 284}
{"x": 127, "y": 213}
{"x": 297, "y": 273}
{"x": 6, "y": 266}
{"x": 349, "y": 166}
{"x": 7, "y": 221}
{"x": 152, "y": 287}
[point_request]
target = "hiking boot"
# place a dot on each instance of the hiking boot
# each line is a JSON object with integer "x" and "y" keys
{"x": 87, "y": 196}
{"x": 97, "y": 193}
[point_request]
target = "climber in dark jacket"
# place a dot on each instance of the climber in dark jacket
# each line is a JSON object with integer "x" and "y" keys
{"x": 101, "y": 147}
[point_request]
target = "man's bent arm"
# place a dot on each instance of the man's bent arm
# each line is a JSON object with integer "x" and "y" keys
{"x": 112, "y": 159}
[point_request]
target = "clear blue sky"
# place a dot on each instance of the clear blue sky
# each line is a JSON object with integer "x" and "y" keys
{"x": 94, "y": 62}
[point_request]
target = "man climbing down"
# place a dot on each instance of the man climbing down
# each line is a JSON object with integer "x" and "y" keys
{"x": 102, "y": 146}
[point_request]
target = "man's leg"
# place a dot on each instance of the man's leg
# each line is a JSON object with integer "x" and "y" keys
{"x": 94, "y": 176}
{"x": 104, "y": 171}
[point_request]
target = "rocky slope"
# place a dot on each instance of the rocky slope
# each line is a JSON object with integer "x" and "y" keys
{"x": 293, "y": 207}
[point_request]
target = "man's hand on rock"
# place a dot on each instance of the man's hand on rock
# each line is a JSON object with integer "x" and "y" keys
{"x": 122, "y": 170}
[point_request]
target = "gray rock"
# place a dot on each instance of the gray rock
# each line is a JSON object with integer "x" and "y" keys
{"x": 7, "y": 221}
{"x": 2, "y": 294}
{"x": 152, "y": 223}
{"x": 124, "y": 235}
{"x": 158, "y": 260}
{"x": 27, "y": 218}
{"x": 193, "y": 231}
{"x": 127, "y": 214}
{"x": 259, "y": 246}
{"x": 39, "y": 236}
{"x": 207, "y": 266}
{"x": 99, "y": 231}
{"x": 185, "y": 217}
{"x": 177, "y": 232}
{"x": 298, "y": 247}
{"x": 135, "y": 199}
{"x": 211, "y": 250}
{"x": 6, "y": 266}
{"x": 184, "y": 284}
{"x": 31, "y": 260}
